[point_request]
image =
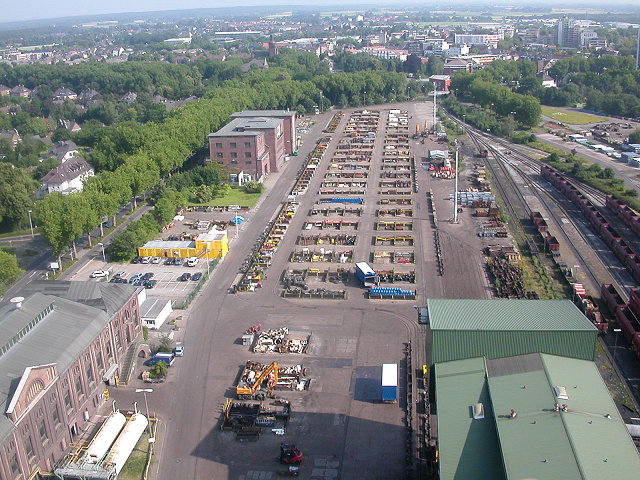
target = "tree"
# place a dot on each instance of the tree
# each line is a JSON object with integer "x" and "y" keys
{"x": 159, "y": 370}
{"x": 49, "y": 215}
{"x": 9, "y": 270}
{"x": 16, "y": 188}
{"x": 634, "y": 137}
{"x": 253, "y": 187}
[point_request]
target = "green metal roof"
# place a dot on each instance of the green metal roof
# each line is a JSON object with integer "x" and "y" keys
{"x": 527, "y": 315}
{"x": 588, "y": 442}
{"x": 468, "y": 448}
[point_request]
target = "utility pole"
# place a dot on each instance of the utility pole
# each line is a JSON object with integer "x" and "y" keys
{"x": 638, "y": 51}
{"x": 455, "y": 188}
{"x": 435, "y": 109}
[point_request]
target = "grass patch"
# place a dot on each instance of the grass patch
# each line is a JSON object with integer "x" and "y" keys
{"x": 235, "y": 197}
{"x": 16, "y": 233}
{"x": 570, "y": 117}
{"x": 133, "y": 469}
{"x": 10, "y": 250}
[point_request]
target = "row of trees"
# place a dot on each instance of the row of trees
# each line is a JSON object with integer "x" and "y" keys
{"x": 133, "y": 158}
{"x": 501, "y": 100}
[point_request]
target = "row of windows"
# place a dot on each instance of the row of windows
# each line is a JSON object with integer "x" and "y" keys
{"x": 234, "y": 145}
{"x": 234, "y": 155}
{"x": 235, "y": 162}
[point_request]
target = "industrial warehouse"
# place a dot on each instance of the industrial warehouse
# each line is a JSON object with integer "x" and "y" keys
{"x": 517, "y": 394}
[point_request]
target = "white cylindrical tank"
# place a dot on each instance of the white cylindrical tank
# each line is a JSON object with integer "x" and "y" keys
{"x": 127, "y": 441}
{"x": 105, "y": 437}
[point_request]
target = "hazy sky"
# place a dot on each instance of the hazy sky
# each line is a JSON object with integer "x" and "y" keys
{"x": 12, "y": 10}
{"x": 34, "y": 9}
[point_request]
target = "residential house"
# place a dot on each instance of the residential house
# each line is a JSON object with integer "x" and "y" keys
{"x": 11, "y": 135}
{"x": 4, "y": 90}
{"x": 62, "y": 151}
{"x": 66, "y": 178}
{"x": 63, "y": 93}
{"x": 87, "y": 95}
{"x": 20, "y": 91}
{"x": 129, "y": 97}
{"x": 442, "y": 83}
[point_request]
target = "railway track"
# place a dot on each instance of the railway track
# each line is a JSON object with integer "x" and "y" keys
{"x": 521, "y": 207}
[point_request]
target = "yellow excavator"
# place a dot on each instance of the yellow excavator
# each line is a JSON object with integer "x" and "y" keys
{"x": 252, "y": 388}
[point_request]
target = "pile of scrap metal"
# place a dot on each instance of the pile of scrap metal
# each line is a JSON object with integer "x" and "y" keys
{"x": 248, "y": 420}
{"x": 279, "y": 340}
{"x": 291, "y": 377}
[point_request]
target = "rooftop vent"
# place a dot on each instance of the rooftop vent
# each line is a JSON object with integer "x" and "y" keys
{"x": 478, "y": 411}
{"x": 561, "y": 393}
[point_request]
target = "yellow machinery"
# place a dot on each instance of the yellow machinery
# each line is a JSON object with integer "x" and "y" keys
{"x": 251, "y": 388}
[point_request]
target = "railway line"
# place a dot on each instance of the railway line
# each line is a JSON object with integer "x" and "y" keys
{"x": 517, "y": 161}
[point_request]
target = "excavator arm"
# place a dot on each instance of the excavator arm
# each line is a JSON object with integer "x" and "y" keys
{"x": 270, "y": 374}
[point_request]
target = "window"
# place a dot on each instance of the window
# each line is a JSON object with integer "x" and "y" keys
{"x": 28, "y": 449}
{"x": 90, "y": 373}
{"x": 220, "y": 163}
{"x": 232, "y": 144}
{"x": 55, "y": 416}
{"x": 67, "y": 400}
{"x": 234, "y": 154}
{"x": 247, "y": 144}
{"x": 42, "y": 429}
{"x": 234, "y": 162}
{"x": 218, "y": 154}
{"x": 248, "y": 162}
{"x": 247, "y": 154}
{"x": 99, "y": 360}
{"x": 118, "y": 344}
{"x": 218, "y": 145}
{"x": 79, "y": 391}
{"x": 13, "y": 465}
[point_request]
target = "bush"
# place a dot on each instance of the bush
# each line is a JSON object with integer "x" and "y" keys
{"x": 253, "y": 187}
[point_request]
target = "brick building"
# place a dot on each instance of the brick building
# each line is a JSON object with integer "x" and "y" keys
{"x": 59, "y": 346}
{"x": 254, "y": 142}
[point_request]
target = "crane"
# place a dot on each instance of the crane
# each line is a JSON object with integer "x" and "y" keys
{"x": 255, "y": 390}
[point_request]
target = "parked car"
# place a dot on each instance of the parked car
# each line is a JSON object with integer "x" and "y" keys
{"x": 134, "y": 279}
{"x": 168, "y": 261}
{"x": 184, "y": 277}
{"x": 156, "y": 260}
{"x": 136, "y": 260}
{"x": 145, "y": 260}
{"x": 178, "y": 261}
{"x": 150, "y": 283}
{"x": 99, "y": 273}
{"x": 147, "y": 276}
{"x": 196, "y": 276}
{"x": 192, "y": 262}
{"x": 120, "y": 275}
{"x": 178, "y": 351}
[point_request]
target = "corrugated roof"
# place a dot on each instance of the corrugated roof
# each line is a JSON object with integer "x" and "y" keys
{"x": 455, "y": 314}
{"x": 468, "y": 448}
{"x": 151, "y": 308}
{"x": 588, "y": 442}
{"x": 169, "y": 244}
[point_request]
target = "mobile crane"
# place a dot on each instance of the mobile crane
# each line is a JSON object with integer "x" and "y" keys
{"x": 251, "y": 388}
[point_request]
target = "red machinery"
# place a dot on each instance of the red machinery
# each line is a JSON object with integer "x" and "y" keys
{"x": 290, "y": 455}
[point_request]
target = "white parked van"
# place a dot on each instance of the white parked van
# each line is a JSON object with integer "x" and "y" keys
{"x": 192, "y": 261}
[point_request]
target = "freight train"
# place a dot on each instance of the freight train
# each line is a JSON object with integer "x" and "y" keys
{"x": 629, "y": 258}
{"x": 627, "y": 315}
{"x": 626, "y": 214}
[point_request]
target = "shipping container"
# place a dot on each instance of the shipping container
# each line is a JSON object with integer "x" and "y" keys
{"x": 389, "y": 392}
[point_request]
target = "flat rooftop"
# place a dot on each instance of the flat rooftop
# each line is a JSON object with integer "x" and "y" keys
{"x": 249, "y": 126}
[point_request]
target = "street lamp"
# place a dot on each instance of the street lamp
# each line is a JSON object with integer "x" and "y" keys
{"x": 30, "y": 222}
{"x": 365, "y": 97}
{"x": 615, "y": 348}
{"x": 144, "y": 392}
{"x": 104, "y": 259}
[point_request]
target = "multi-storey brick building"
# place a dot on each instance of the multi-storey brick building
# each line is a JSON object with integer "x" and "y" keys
{"x": 59, "y": 346}
{"x": 254, "y": 142}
